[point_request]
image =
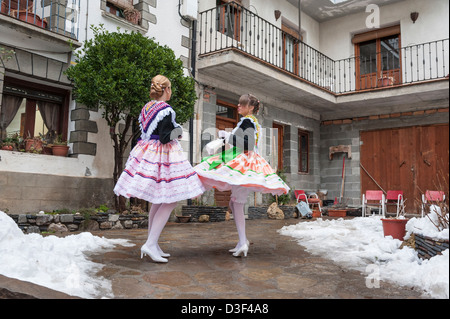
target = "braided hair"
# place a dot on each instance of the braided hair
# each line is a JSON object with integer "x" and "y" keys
{"x": 250, "y": 100}
{"x": 159, "y": 83}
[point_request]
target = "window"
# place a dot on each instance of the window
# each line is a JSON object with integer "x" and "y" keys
{"x": 303, "y": 151}
{"x": 124, "y": 9}
{"x": 31, "y": 110}
{"x": 111, "y": 8}
{"x": 229, "y": 19}
{"x": 226, "y": 111}
{"x": 290, "y": 49}
{"x": 378, "y": 61}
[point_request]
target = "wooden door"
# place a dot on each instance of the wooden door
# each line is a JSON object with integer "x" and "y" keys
{"x": 408, "y": 159}
{"x": 280, "y": 141}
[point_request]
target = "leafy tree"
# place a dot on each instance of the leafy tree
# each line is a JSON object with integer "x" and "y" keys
{"x": 113, "y": 72}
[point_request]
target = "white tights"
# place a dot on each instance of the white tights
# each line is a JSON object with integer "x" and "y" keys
{"x": 157, "y": 218}
{"x": 238, "y": 199}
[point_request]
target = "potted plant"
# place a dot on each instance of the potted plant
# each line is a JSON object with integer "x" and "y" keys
{"x": 60, "y": 147}
{"x": 396, "y": 226}
{"x": 339, "y": 208}
{"x": 10, "y": 143}
{"x": 33, "y": 144}
{"x": 133, "y": 15}
{"x": 385, "y": 81}
{"x": 7, "y": 146}
{"x": 183, "y": 219}
{"x": 48, "y": 139}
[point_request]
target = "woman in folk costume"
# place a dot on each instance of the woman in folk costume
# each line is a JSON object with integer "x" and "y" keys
{"x": 157, "y": 170}
{"x": 241, "y": 169}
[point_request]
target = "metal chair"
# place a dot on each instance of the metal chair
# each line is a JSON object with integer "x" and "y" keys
{"x": 396, "y": 198}
{"x": 311, "y": 199}
{"x": 373, "y": 199}
{"x": 432, "y": 197}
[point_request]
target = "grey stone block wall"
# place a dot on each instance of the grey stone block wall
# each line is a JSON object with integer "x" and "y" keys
{"x": 82, "y": 127}
{"x": 292, "y": 122}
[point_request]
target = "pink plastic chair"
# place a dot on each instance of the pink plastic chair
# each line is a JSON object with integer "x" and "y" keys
{"x": 396, "y": 198}
{"x": 432, "y": 197}
{"x": 373, "y": 199}
{"x": 311, "y": 200}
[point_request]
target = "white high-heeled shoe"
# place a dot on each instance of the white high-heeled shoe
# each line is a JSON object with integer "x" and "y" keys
{"x": 163, "y": 254}
{"x": 235, "y": 249}
{"x": 242, "y": 250}
{"x": 159, "y": 259}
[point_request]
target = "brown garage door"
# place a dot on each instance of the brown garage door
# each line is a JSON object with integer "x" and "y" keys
{"x": 408, "y": 159}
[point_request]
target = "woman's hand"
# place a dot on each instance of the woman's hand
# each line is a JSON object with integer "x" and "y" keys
{"x": 224, "y": 134}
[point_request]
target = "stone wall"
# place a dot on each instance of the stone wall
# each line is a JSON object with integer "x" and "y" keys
{"x": 215, "y": 213}
{"x": 55, "y": 223}
{"x": 260, "y": 212}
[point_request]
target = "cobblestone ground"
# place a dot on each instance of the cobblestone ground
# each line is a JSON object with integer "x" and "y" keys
{"x": 200, "y": 267}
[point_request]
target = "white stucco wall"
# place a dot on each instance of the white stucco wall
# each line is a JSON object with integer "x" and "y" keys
{"x": 432, "y": 24}
{"x": 168, "y": 30}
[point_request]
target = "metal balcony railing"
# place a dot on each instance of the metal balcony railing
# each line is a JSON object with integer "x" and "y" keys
{"x": 231, "y": 26}
{"x": 59, "y": 16}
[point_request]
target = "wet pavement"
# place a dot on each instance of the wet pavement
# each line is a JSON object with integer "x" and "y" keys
{"x": 200, "y": 266}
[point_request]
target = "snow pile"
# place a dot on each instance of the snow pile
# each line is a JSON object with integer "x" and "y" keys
{"x": 426, "y": 226}
{"x": 360, "y": 244}
{"x": 57, "y": 263}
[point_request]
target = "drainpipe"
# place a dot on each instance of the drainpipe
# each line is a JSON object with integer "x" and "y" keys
{"x": 192, "y": 71}
{"x": 193, "y": 65}
{"x": 87, "y": 21}
{"x": 299, "y": 21}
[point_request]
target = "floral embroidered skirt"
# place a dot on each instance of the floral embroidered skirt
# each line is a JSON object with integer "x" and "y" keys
{"x": 158, "y": 173}
{"x": 248, "y": 169}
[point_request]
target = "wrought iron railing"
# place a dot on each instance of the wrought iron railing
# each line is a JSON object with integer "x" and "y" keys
{"x": 231, "y": 26}
{"x": 60, "y": 16}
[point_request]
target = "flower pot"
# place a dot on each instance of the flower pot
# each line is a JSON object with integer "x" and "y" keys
{"x": 60, "y": 150}
{"x": 316, "y": 213}
{"x": 33, "y": 19}
{"x": 33, "y": 145}
{"x": 47, "y": 150}
{"x": 183, "y": 219}
{"x": 7, "y": 147}
{"x": 394, "y": 227}
{"x": 385, "y": 81}
{"x": 337, "y": 212}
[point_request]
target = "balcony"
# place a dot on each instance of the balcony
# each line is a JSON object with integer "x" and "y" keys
{"x": 60, "y": 16}
{"x": 236, "y": 45}
{"x": 44, "y": 27}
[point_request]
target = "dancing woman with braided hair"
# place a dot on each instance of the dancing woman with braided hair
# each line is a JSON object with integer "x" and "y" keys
{"x": 241, "y": 169}
{"x": 157, "y": 170}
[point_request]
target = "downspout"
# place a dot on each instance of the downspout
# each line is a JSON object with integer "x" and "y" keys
{"x": 299, "y": 21}
{"x": 87, "y": 21}
{"x": 192, "y": 71}
{"x": 193, "y": 66}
